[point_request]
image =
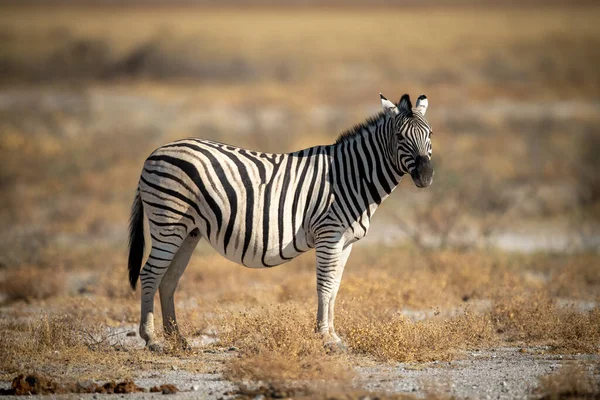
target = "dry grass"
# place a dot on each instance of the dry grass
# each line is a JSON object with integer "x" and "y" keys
{"x": 279, "y": 344}
{"x": 76, "y": 347}
{"x": 497, "y": 305}
{"x": 536, "y": 318}
{"x": 401, "y": 339}
{"x": 570, "y": 382}
{"x": 53, "y": 344}
{"x": 278, "y": 348}
{"x": 31, "y": 283}
{"x": 576, "y": 277}
{"x": 388, "y": 311}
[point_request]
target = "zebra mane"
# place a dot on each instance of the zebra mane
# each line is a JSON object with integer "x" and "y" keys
{"x": 358, "y": 128}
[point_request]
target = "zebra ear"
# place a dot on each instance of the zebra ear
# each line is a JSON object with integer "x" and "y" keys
{"x": 389, "y": 107}
{"x": 405, "y": 105}
{"x": 422, "y": 104}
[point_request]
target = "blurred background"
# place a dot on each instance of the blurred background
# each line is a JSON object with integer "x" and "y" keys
{"x": 89, "y": 88}
{"x": 506, "y": 239}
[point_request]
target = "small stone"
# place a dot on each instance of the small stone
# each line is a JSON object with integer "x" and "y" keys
{"x": 195, "y": 388}
{"x": 174, "y": 368}
{"x": 131, "y": 333}
{"x": 232, "y": 348}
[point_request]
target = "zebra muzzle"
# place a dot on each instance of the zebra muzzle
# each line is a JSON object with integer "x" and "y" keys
{"x": 422, "y": 174}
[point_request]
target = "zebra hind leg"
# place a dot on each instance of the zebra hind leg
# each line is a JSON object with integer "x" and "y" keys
{"x": 151, "y": 275}
{"x": 168, "y": 285}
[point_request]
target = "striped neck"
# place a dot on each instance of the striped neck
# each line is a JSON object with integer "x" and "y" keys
{"x": 364, "y": 159}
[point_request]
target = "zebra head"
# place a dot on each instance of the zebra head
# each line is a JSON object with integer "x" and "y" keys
{"x": 412, "y": 138}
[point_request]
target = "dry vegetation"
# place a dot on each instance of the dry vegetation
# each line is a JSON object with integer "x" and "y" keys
{"x": 86, "y": 95}
{"x": 376, "y": 320}
{"x": 570, "y": 382}
{"x": 389, "y": 311}
{"x": 31, "y": 283}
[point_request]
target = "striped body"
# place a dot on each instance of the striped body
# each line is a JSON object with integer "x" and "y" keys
{"x": 261, "y": 210}
{"x": 256, "y": 209}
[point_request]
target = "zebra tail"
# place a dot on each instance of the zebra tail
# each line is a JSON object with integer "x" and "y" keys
{"x": 136, "y": 240}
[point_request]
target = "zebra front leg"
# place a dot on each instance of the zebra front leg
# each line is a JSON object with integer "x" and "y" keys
{"x": 336, "y": 285}
{"x": 331, "y": 258}
{"x": 169, "y": 283}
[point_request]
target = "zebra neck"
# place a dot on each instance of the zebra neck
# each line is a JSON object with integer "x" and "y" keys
{"x": 363, "y": 164}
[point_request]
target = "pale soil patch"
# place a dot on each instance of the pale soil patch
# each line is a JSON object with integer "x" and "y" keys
{"x": 503, "y": 373}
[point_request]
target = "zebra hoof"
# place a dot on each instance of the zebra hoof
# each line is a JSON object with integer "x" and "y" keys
{"x": 177, "y": 342}
{"x": 336, "y": 347}
{"x": 183, "y": 344}
{"x": 154, "y": 347}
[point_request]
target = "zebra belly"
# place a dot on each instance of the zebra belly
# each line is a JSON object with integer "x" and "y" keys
{"x": 257, "y": 257}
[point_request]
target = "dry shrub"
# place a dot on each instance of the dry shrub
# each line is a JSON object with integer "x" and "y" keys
{"x": 68, "y": 331}
{"x": 56, "y": 343}
{"x": 577, "y": 277}
{"x": 524, "y": 317}
{"x": 536, "y": 319}
{"x": 31, "y": 283}
{"x": 55, "y": 332}
{"x": 572, "y": 381}
{"x": 396, "y": 278}
{"x": 379, "y": 288}
{"x": 401, "y": 339}
{"x": 278, "y": 344}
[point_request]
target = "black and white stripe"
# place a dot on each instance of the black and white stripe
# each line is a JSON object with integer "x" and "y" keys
{"x": 262, "y": 210}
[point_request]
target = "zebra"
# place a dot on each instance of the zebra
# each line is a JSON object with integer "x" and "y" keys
{"x": 261, "y": 210}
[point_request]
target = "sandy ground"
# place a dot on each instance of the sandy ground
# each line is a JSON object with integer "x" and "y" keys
{"x": 502, "y": 373}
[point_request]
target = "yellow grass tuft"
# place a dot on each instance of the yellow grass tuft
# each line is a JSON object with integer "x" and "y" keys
{"x": 401, "y": 339}
{"x": 279, "y": 344}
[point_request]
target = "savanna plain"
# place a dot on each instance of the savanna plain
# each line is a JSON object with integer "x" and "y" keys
{"x": 484, "y": 285}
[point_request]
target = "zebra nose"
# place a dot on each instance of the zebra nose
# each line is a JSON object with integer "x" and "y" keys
{"x": 423, "y": 175}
